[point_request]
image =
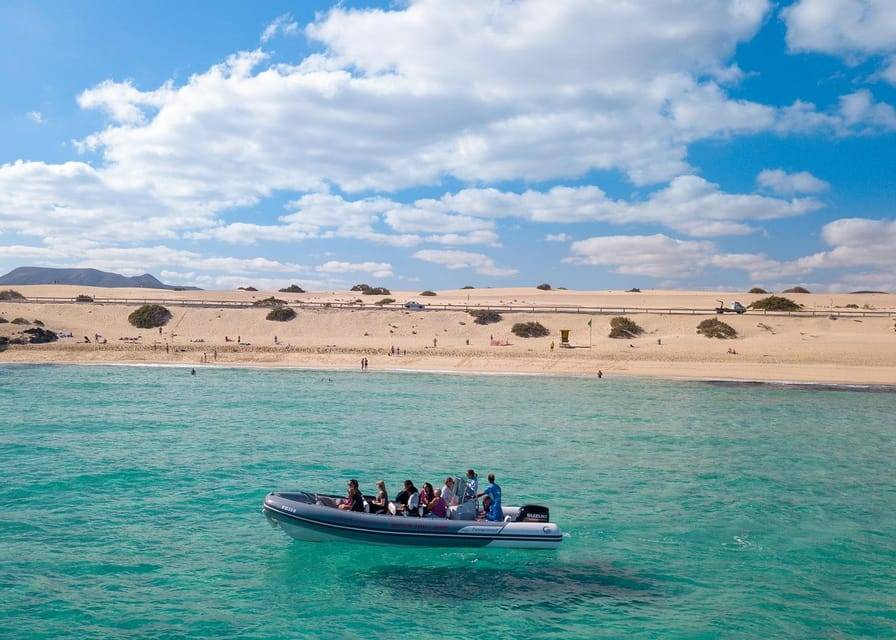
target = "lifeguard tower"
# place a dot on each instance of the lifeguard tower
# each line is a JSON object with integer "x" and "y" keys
{"x": 564, "y": 339}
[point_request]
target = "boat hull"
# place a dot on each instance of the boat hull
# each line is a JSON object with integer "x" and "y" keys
{"x": 299, "y": 517}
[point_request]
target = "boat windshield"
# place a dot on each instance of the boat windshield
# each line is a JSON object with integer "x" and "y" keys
{"x": 460, "y": 487}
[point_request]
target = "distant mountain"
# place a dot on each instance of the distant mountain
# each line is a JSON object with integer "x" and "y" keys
{"x": 83, "y": 277}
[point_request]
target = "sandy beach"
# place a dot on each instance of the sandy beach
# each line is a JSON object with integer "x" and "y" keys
{"x": 829, "y": 347}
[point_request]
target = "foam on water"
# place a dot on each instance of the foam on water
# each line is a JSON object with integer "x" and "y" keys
{"x": 130, "y": 505}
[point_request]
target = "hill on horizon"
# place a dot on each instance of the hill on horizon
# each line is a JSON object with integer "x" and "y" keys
{"x": 84, "y": 277}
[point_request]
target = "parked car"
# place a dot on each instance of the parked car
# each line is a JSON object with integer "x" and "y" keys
{"x": 734, "y": 307}
{"x": 414, "y": 306}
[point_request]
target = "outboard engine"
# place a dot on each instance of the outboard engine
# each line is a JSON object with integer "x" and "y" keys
{"x": 533, "y": 513}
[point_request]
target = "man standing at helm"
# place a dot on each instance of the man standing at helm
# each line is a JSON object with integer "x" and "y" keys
{"x": 493, "y": 491}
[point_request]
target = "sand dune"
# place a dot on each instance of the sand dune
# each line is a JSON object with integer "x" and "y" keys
{"x": 818, "y": 349}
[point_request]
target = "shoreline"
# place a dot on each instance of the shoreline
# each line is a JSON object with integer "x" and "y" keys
{"x": 864, "y": 382}
{"x": 819, "y": 350}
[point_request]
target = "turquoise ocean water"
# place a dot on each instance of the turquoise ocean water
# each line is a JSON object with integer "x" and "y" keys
{"x": 130, "y": 506}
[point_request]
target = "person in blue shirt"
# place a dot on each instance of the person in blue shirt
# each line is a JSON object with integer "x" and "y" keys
{"x": 493, "y": 491}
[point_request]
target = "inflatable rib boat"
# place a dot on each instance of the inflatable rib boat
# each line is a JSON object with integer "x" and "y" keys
{"x": 316, "y": 517}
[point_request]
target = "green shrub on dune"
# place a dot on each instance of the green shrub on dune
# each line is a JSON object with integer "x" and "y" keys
{"x": 293, "y": 288}
{"x": 20, "y": 321}
{"x": 758, "y": 290}
{"x": 271, "y": 302}
{"x": 776, "y": 303}
{"x": 384, "y": 301}
{"x": 10, "y": 294}
{"x": 529, "y": 330}
{"x": 149, "y": 316}
{"x": 485, "y": 316}
{"x": 281, "y": 314}
{"x": 714, "y": 328}
{"x": 622, "y": 327}
{"x": 427, "y": 293}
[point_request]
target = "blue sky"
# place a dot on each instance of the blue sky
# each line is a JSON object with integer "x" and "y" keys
{"x": 434, "y": 144}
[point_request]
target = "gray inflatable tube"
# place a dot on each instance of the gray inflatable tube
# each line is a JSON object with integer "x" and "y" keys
{"x": 313, "y": 517}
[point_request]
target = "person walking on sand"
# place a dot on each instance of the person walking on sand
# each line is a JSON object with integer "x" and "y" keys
{"x": 600, "y": 374}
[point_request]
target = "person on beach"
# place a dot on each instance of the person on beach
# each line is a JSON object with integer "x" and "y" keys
{"x": 192, "y": 372}
{"x": 600, "y": 374}
{"x": 493, "y": 491}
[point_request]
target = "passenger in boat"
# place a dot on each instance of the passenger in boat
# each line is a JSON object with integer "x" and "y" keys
{"x": 427, "y": 495}
{"x": 472, "y": 486}
{"x": 408, "y": 500}
{"x": 486, "y": 505}
{"x": 380, "y": 503}
{"x": 493, "y": 492}
{"x": 354, "y": 501}
{"x": 448, "y": 494}
{"x": 437, "y": 507}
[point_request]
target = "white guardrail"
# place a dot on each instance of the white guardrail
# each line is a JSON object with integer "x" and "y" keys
{"x": 576, "y": 309}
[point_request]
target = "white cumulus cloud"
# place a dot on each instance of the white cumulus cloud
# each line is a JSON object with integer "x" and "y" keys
{"x": 378, "y": 269}
{"x": 452, "y": 259}
{"x": 781, "y": 181}
{"x": 852, "y": 29}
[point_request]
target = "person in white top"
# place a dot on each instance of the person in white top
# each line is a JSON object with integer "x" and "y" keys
{"x": 413, "y": 505}
{"x": 448, "y": 494}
